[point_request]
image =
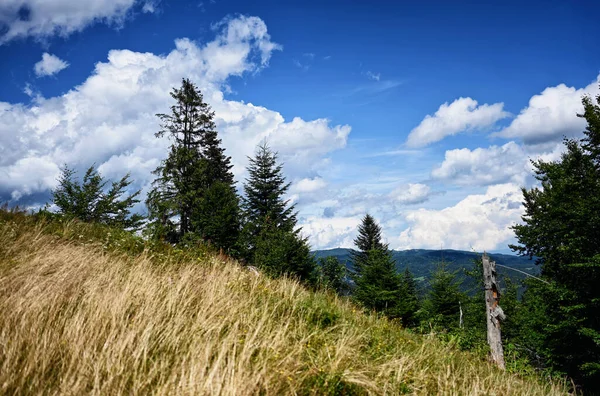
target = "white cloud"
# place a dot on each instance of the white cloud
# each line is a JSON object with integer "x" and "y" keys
{"x": 110, "y": 118}
{"x": 44, "y": 18}
{"x": 327, "y": 233}
{"x": 242, "y": 45}
{"x": 308, "y": 185}
{"x": 150, "y": 6}
{"x": 510, "y": 162}
{"x": 373, "y": 76}
{"x": 411, "y": 194}
{"x": 464, "y": 114}
{"x": 551, "y": 115}
{"x": 484, "y": 166}
{"x": 18, "y": 176}
{"x": 480, "y": 222}
{"x": 49, "y": 65}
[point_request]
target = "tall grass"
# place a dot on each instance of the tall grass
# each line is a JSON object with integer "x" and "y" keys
{"x": 78, "y": 318}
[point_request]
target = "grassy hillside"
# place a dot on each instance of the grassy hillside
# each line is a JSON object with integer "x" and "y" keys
{"x": 87, "y": 311}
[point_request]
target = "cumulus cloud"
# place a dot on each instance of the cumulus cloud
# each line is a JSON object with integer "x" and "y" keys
{"x": 18, "y": 176}
{"x": 464, "y": 114}
{"x": 411, "y": 194}
{"x": 332, "y": 232}
{"x": 480, "y": 222}
{"x": 551, "y": 115}
{"x": 45, "y": 18}
{"x": 242, "y": 45}
{"x": 109, "y": 119}
{"x": 484, "y": 166}
{"x": 49, "y": 65}
{"x": 308, "y": 185}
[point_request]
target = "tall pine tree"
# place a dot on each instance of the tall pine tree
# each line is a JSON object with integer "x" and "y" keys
{"x": 368, "y": 238}
{"x": 378, "y": 284}
{"x": 561, "y": 227}
{"x": 194, "y": 193}
{"x": 265, "y": 189}
{"x": 272, "y": 240}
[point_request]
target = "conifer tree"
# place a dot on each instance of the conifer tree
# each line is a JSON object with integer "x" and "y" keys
{"x": 217, "y": 217}
{"x": 333, "y": 274}
{"x": 378, "y": 284}
{"x": 368, "y": 238}
{"x": 281, "y": 252}
{"x": 184, "y": 201}
{"x": 408, "y": 303}
{"x": 441, "y": 308}
{"x": 90, "y": 201}
{"x": 270, "y": 236}
{"x": 561, "y": 227}
{"x": 265, "y": 189}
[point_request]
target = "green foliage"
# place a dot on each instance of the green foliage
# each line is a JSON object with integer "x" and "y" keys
{"x": 91, "y": 201}
{"x": 193, "y": 195}
{"x": 319, "y": 311}
{"x": 280, "y": 252}
{"x": 408, "y": 299}
{"x": 378, "y": 285}
{"x": 270, "y": 238}
{"x": 369, "y": 238}
{"x": 561, "y": 227}
{"x": 264, "y": 191}
{"x": 441, "y": 308}
{"x": 217, "y": 217}
{"x": 333, "y": 275}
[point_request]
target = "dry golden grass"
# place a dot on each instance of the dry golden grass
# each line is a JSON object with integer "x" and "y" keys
{"x": 75, "y": 319}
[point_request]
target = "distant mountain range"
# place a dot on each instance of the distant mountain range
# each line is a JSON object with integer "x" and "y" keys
{"x": 422, "y": 263}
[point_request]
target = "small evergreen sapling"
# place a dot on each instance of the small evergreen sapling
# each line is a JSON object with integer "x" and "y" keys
{"x": 91, "y": 201}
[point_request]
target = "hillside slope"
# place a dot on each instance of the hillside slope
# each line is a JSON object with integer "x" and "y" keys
{"x": 82, "y": 312}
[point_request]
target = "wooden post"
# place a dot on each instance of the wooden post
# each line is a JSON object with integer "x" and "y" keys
{"x": 493, "y": 310}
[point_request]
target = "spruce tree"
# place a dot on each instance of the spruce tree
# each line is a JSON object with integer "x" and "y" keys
{"x": 90, "y": 201}
{"x": 184, "y": 199}
{"x": 441, "y": 307}
{"x": 408, "y": 303}
{"x": 333, "y": 274}
{"x": 281, "y": 252}
{"x": 217, "y": 217}
{"x": 265, "y": 189}
{"x": 271, "y": 239}
{"x": 368, "y": 238}
{"x": 378, "y": 284}
{"x": 561, "y": 227}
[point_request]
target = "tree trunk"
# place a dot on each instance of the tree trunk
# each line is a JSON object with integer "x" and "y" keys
{"x": 493, "y": 311}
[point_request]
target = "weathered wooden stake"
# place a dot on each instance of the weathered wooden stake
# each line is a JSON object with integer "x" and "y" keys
{"x": 494, "y": 312}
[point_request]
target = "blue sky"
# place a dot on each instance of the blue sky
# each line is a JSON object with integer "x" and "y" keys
{"x": 424, "y": 114}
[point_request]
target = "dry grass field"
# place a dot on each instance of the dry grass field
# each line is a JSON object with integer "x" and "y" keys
{"x": 82, "y": 312}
